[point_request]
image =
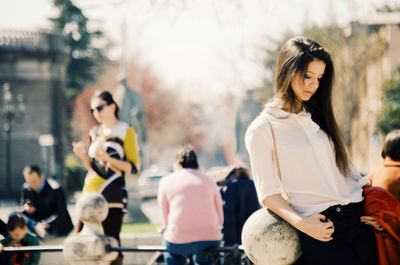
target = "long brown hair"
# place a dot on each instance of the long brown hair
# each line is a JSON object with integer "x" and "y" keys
{"x": 294, "y": 57}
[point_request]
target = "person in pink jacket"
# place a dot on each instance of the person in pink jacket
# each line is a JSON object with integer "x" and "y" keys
{"x": 192, "y": 211}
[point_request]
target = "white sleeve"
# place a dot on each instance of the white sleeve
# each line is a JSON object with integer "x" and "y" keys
{"x": 259, "y": 148}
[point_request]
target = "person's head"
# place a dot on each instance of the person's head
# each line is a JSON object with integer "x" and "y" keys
{"x": 33, "y": 176}
{"x": 103, "y": 107}
{"x": 17, "y": 227}
{"x": 238, "y": 172}
{"x": 304, "y": 78}
{"x": 304, "y": 71}
{"x": 391, "y": 146}
{"x": 186, "y": 158}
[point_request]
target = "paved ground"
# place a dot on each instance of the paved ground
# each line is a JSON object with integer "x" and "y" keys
{"x": 151, "y": 210}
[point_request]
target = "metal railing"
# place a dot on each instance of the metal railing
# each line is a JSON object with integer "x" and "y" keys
{"x": 139, "y": 248}
{"x": 57, "y": 248}
{"x": 158, "y": 250}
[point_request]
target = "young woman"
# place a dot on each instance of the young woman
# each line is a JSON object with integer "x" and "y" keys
{"x": 192, "y": 212}
{"x": 240, "y": 201}
{"x": 113, "y": 153}
{"x": 318, "y": 190}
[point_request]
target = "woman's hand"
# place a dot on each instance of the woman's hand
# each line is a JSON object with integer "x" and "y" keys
{"x": 317, "y": 226}
{"x": 80, "y": 149}
{"x": 102, "y": 156}
{"x": 371, "y": 221}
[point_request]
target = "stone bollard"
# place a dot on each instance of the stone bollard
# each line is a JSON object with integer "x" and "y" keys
{"x": 89, "y": 246}
{"x": 268, "y": 239}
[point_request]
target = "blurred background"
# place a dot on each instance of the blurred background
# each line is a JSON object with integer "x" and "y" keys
{"x": 183, "y": 71}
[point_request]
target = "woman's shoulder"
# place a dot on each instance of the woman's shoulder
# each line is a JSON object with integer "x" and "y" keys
{"x": 260, "y": 122}
{"x": 270, "y": 114}
{"x": 259, "y": 126}
{"x": 121, "y": 125}
{"x": 120, "y": 129}
{"x": 124, "y": 127}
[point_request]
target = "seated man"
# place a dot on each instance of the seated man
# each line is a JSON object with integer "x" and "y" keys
{"x": 44, "y": 203}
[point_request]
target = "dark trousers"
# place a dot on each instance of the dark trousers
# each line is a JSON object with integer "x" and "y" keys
{"x": 176, "y": 253}
{"x": 112, "y": 227}
{"x": 353, "y": 241}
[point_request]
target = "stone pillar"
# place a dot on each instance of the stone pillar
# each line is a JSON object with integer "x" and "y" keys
{"x": 89, "y": 246}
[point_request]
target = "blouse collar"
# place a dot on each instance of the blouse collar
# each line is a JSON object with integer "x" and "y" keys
{"x": 303, "y": 116}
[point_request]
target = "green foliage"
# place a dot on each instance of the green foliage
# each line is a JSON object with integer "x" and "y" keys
{"x": 129, "y": 228}
{"x": 85, "y": 60}
{"x": 74, "y": 174}
{"x": 390, "y": 113}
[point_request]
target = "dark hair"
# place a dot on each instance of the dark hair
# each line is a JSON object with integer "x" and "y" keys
{"x": 187, "y": 158}
{"x": 108, "y": 99}
{"x": 238, "y": 172}
{"x": 15, "y": 221}
{"x": 391, "y": 146}
{"x": 294, "y": 58}
{"x": 32, "y": 169}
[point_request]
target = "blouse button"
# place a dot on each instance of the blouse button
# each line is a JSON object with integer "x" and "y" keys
{"x": 338, "y": 209}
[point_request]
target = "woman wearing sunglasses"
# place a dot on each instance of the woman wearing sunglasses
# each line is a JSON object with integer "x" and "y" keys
{"x": 112, "y": 153}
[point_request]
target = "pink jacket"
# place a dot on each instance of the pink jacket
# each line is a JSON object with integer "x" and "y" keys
{"x": 191, "y": 207}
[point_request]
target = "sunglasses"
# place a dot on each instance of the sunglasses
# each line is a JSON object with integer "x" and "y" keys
{"x": 98, "y": 108}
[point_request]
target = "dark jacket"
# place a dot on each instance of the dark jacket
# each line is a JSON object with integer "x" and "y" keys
{"x": 240, "y": 201}
{"x": 3, "y": 228}
{"x": 48, "y": 202}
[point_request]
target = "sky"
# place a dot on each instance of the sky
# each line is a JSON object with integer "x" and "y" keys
{"x": 204, "y": 47}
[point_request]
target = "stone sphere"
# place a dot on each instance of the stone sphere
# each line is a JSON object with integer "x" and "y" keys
{"x": 267, "y": 239}
{"x": 92, "y": 208}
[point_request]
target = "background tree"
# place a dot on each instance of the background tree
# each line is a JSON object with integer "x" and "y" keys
{"x": 85, "y": 60}
{"x": 390, "y": 112}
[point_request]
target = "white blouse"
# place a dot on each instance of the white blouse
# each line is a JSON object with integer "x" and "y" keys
{"x": 310, "y": 176}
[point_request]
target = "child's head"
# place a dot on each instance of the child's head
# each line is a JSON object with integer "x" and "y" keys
{"x": 17, "y": 227}
{"x": 391, "y": 146}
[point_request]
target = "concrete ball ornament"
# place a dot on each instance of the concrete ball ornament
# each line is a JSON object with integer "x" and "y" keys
{"x": 267, "y": 239}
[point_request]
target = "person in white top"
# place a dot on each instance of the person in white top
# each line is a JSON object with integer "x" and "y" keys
{"x": 318, "y": 190}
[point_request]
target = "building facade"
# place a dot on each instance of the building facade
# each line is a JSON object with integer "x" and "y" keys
{"x": 33, "y": 64}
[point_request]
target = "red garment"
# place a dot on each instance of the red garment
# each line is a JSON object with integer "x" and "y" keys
{"x": 381, "y": 205}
